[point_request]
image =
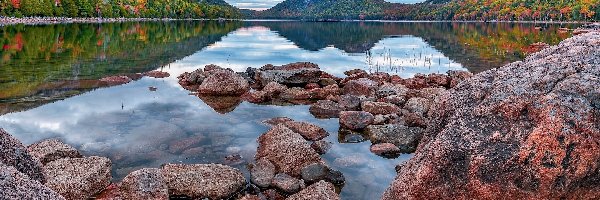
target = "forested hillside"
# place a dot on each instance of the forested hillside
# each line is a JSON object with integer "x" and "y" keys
{"x": 563, "y": 10}
{"x": 119, "y": 8}
{"x": 326, "y": 9}
{"x": 486, "y": 10}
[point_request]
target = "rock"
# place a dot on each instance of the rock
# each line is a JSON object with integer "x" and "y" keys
{"x": 221, "y": 104}
{"x": 379, "y": 108}
{"x": 250, "y": 197}
{"x": 277, "y": 120}
{"x": 50, "y": 150}
{"x": 194, "y": 78}
{"x": 16, "y": 185}
{"x": 323, "y": 82}
{"x": 262, "y": 173}
{"x": 354, "y": 71}
{"x": 147, "y": 183}
{"x": 272, "y": 194}
{"x": 157, "y": 74}
{"x": 256, "y": 97}
{"x": 417, "y": 82}
{"x": 273, "y": 89}
{"x": 286, "y": 149}
{"x": 318, "y": 171}
{"x": 112, "y": 192}
{"x": 528, "y": 130}
{"x": 385, "y": 149}
{"x": 535, "y": 47}
{"x": 380, "y": 77}
{"x": 311, "y": 86}
{"x": 287, "y": 183}
{"x": 319, "y": 191}
{"x": 224, "y": 83}
{"x": 13, "y": 153}
{"x": 394, "y": 99}
{"x": 323, "y": 93}
{"x": 458, "y": 76}
{"x": 405, "y": 138}
{"x": 418, "y": 105}
{"x": 414, "y": 119}
{"x": 349, "y": 103}
{"x": 389, "y": 89}
{"x": 116, "y": 80}
{"x": 360, "y": 87}
{"x": 290, "y": 74}
{"x": 354, "y": 77}
{"x": 78, "y": 178}
{"x": 325, "y": 109}
{"x": 199, "y": 181}
{"x": 321, "y": 146}
{"x": 355, "y": 120}
{"x": 295, "y": 93}
{"x": 307, "y": 130}
{"x": 438, "y": 80}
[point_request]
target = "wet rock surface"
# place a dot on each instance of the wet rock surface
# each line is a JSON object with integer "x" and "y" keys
{"x": 199, "y": 181}
{"x": 528, "y": 130}
{"x": 320, "y": 190}
{"x": 356, "y": 120}
{"x": 262, "y": 173}
{"x": 16, "y": 185}
{"x": 147, "y": 183}
{"x": 50, "y": 150}
{"x": 404, "y": 137}
{"x": 78, "y": 178}
{"x": 309, "y": 131}
{"x": 13, "y": 153}
{"x": 287, "y": 183}
{"x": 286, "y": 149}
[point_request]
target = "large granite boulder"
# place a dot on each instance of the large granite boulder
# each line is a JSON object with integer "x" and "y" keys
{"x": 528, "y": 130}
{"x": 147, "y": 183}
{"x": 222, "y": 82}
{"x": 287, "y": 150}
{"x": 50, "y": 150}
{"x": 404, "y": 137}
{"x": 199, "y": 181}
{"x": 16, "y": 185}
{"x": 78, "y": 178}
{"x": 291, "y": 74}
{"x": 13, "y": 153}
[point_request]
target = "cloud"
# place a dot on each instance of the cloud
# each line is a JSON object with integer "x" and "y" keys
{"x": 266, "y": 4}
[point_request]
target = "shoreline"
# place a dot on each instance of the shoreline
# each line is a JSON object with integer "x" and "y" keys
{"x": 5, "y": 21}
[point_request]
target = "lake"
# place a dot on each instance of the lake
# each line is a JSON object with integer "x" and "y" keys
{"x": 50, "y": 88}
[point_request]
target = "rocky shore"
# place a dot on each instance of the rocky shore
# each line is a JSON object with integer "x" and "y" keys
{"x": 527, "y": 130}
{"x": 63, "y": 20}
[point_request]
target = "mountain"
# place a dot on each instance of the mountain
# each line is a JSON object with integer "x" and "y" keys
{"x": 482, "y": 10}
{"x": 326, "y": 9}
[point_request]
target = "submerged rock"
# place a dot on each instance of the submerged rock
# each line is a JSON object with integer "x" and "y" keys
{"x": 262, "y": 173}
{"x": 50, "y": 150}
{"x": 321, "y": 146}
{"x": 287, "y": 183}
{"x": 145, "y": 183}
{"x": 16, "y": 185}
{"x": 318, "y": 171}
{"x": 78, "y": 178}
{"x": 404, "y": 137}
{"x": 528, "y": 130}
{"x": 199, "y": 181}
{"x": 224, "y": 83}
{"x": 286, "y": 149}
{"x": 321, "y": 190}
{"x": 13, "y": 153}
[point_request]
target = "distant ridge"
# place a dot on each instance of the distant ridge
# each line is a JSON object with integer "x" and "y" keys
{"x": 481, "y": 10}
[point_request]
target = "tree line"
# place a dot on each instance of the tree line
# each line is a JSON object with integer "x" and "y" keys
{"x": 117, "y": 8}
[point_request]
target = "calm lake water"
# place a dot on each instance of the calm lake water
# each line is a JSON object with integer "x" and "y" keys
{"x": 49, "y": 84}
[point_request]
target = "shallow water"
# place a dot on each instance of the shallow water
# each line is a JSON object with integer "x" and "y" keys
{"x": 49, "y": 87}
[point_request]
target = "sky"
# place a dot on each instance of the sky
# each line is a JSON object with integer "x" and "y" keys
{"x": 266, "y": 4}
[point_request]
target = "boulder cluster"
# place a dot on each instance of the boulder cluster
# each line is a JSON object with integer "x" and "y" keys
{"x": 390, "y": 111}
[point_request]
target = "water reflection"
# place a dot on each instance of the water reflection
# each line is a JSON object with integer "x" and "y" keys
{"x": 53, "y": 80}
